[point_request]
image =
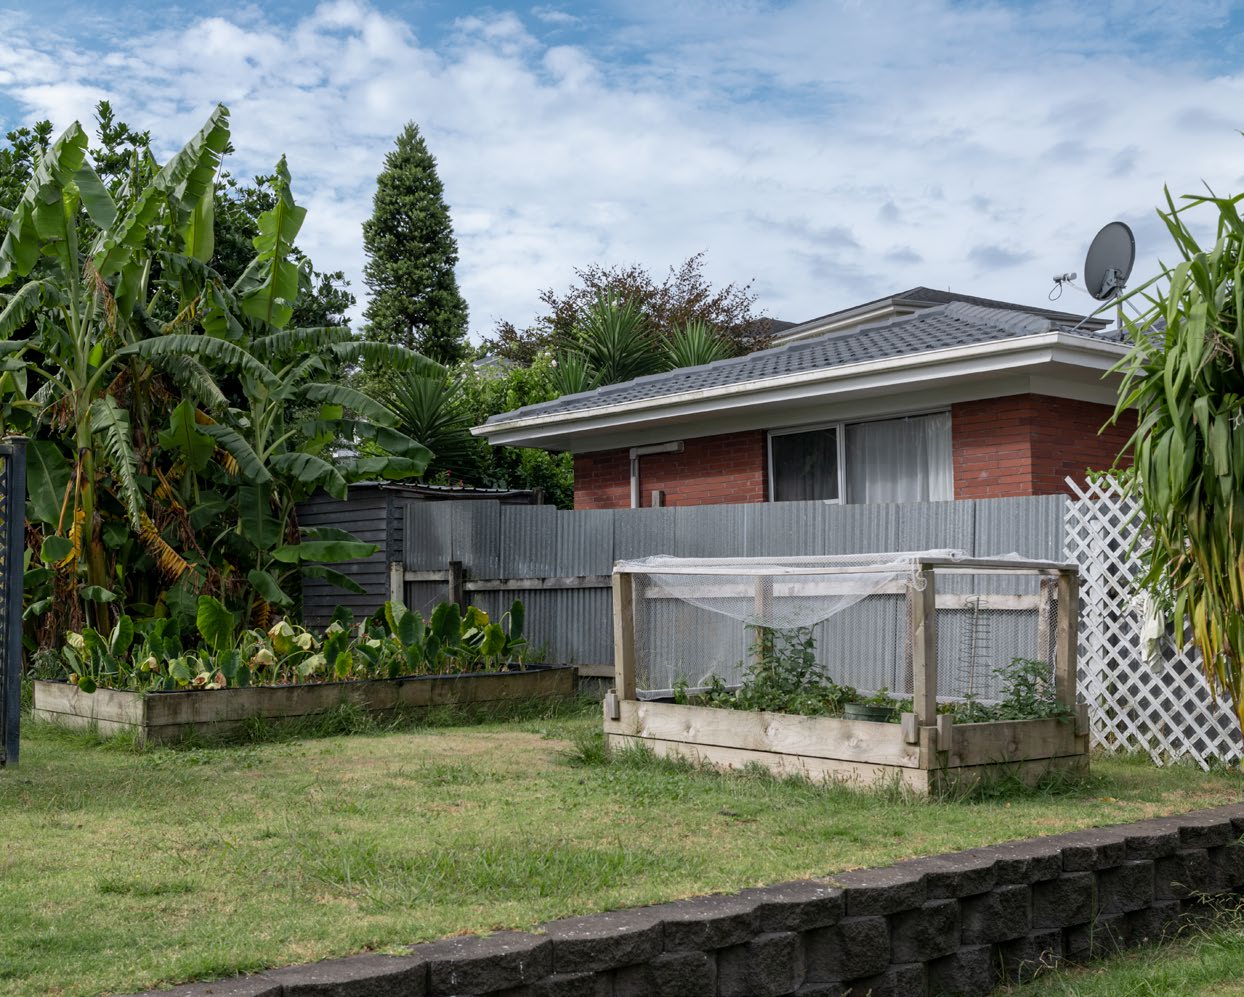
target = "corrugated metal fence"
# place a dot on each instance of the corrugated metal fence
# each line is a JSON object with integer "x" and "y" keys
{"x": 572, "y": 623}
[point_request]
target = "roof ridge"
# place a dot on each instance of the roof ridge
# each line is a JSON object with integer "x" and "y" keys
{"x": 1023, "y": 323}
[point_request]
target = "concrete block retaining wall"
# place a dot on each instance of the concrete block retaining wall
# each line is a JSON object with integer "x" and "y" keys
{"x": 948, "y": 924}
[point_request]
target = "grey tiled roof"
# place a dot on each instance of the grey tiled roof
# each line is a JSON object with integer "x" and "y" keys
{"x": 940, "y": 327}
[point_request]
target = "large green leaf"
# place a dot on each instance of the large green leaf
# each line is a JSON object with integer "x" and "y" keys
{"x": 311, "y": 471}
{"x": 389, "y": 356}
{"x": 255, "y": 516}
{"x": 95, "y": 198}
{"x": 267, "y": 587}
{"x": 199, "y": 235}
{"x": 41, "y": 218}
{"x": 183, "y": 181}
{"x": 22, "y": 306}
{"x": 215, "y": 622}
{"x": 351, "y": 400}
{"x": 333, "y": 577}
{"x": 292, "y": 342}
{"x": 47, "y": 480}
{"x": 111, "y": 425}
{"x": 378, "y": 467}
{"x": 209, "y": 347}
{"x": 183, "y": 435}
{"x": 272, "y": 287}
{"x": 324, "y": 551}
{"x": 249, "y": 465}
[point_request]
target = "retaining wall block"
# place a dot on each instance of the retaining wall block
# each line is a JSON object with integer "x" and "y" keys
{"x": 368, "y": 976}
{"x": 1232, "y": 858}
{"x": 925, "y": 933}
{"x": 881, "y": 891}
{"x": 1174, "y": 875}
{"x": 605, "y": 941}
{"x": 685, "y": 974}
{"x": 908, "y": 980}
{"x": 1151, "y": 839}
{"x": 799, "y": 906}
{"x": 1104, "y": 935}
{"x": 574, "y": 985}
{"x": 1206, "y": 831}
{"x": 1027, "y": 861}
{"x": 481, "y": 965}
{"x": 1024, "y": 957}
{"x": 1224, "y": 866}
{"x": 820, "y": 990}
{"x": 972, "y": 970}
{"x": 770, "y": 965}
{"x": 707, "y": 922}
{"x": 997, "y": 916}
{"x": 634, "y": 981}
{"x": 1125, "y": 887}
{"x": 1065, "y": 901}
{"x": 1088, "y": 851}
{"x": 959, "y": 874}
{"x": 852, "y": 948}
{"x": 1155, "y": 923}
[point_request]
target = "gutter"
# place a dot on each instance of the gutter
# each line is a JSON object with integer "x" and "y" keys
{"x": 999, "y": 348}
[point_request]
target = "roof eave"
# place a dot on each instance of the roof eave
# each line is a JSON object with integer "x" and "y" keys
{"x": 977, "y": 358}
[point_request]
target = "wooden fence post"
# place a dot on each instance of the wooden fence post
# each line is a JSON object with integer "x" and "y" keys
{"x": 763, "y": 603}
{"x": 923, "y": 605}
{"x": 1067, "y": 639}
{"x": 624, "y": 634}
{"x": 397, "y": 582}
{"x": 454, "y": 592}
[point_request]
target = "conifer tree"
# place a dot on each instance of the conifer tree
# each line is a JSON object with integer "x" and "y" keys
{"x": 411, "y": 254}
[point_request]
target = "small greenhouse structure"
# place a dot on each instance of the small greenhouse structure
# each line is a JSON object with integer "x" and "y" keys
{"x": 936, "y": 630}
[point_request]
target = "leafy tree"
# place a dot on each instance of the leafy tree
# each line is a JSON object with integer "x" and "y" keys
{"x": 1185, "y": 376}
{"x": 684, "y": 296}
{"x": 411, "y": 255}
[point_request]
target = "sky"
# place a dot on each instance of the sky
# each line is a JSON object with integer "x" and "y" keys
{"x": 827, "y": 152}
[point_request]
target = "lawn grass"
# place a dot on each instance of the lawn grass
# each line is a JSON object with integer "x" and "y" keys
{"x": 1203, "y": 960}
{"x": 123, "y": 869}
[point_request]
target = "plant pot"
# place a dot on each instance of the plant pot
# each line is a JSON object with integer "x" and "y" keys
{"x": 868, "y": 711}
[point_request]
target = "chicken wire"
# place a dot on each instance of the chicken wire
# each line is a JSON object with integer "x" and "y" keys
{"x": 696, "y": 620}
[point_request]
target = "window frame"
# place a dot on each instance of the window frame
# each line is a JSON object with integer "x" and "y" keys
{"x": 840, "y": 426}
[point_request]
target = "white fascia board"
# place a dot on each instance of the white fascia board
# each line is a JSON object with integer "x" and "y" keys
{"x": 888, "y": 374}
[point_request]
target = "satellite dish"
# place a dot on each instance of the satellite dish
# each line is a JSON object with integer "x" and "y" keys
{"x": 1109, "y": 261}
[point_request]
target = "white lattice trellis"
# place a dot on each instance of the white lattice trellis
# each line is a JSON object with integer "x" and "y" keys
{"x": 1165, "y": 708}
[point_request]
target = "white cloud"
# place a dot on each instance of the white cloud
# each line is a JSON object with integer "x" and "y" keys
{"x": 821, "y": 149}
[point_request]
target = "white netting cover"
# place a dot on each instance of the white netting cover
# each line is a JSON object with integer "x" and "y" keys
{"x": 696, "y": 618}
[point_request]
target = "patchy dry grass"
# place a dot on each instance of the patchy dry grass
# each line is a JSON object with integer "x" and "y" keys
{"x": 123, "y": 869}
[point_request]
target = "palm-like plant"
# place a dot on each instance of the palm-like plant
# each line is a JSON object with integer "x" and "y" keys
{"x": 1185, "y": 375}
{"x": 693, "y": 344}
{"x": 430, "y": 408}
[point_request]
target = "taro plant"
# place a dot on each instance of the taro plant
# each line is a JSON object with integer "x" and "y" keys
{"x": 391, "y": 643}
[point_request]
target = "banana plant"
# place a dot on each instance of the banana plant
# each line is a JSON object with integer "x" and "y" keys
{"x": 76, "y": 311}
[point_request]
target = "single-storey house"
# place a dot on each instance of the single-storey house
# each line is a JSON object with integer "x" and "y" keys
{"x": 922, "y": 396}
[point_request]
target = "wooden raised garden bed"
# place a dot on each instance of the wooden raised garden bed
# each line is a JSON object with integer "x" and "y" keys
{"x": 927, "y": 752}
{"x": 162, "y": 717}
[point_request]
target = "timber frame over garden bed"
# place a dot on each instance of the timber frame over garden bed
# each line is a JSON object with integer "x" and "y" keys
{"x": 928, "y": 751}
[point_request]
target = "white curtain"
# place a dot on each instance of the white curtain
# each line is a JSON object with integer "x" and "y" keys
{"x": 900, "y": 460}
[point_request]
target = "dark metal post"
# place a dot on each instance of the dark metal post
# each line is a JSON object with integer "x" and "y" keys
{"x": 13, "y": 518}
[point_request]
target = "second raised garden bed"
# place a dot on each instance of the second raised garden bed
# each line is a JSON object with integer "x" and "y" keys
{"x": 927, "y": 752}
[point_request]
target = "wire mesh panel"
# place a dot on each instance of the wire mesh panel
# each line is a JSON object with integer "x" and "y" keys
{"x": 700, "y": 622}
{"x": 12, "y": 532}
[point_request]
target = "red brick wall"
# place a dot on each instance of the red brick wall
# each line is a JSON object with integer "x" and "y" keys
{"x": 712, "y": 470}
{"x": 1027, "y": 444}
{"x": 1002, "y": 447}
